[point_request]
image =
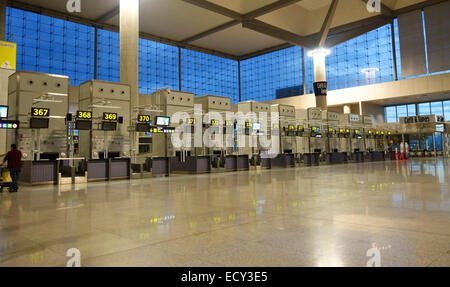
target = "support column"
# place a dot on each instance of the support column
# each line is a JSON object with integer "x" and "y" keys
{"x": 320, "y": 75}
{"x": 129, "y": 57}
{"x": 2, "y": 20}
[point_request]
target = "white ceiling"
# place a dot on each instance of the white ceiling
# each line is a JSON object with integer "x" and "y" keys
{"x": 177, "y": 20}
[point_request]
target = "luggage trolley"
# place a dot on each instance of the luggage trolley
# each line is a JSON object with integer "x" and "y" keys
{"x": 5, "y": 179}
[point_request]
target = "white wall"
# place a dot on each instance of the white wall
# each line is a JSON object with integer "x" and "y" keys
{"x": 404, "y": 90}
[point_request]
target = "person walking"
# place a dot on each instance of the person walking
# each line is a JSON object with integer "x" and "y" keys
{"x": 14, "y": 159}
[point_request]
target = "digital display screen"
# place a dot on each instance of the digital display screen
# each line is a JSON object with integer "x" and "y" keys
{"x": 341, "y": 130}
{"x": 378, "y": 133}
{"x": 142, "y": 127}
{"x": 214, "y": 122}
{"x": 3, "y": 112}
{"x": 318, "y": 136}
{"x": 162, "y": 121}
{"x": 301, "y": 128}
{"x": 440, "y": 128}
{"x": 276, "y": 126}
{"x": 248, "y": 124}
{"x": 389, "y": 133}
{"x": 330, "y": 130}
{"x": 229, "y": 123}
{"x": 256, "y": 126}
{"x": 370, "y": 132}
{"x": 110, "y": 116}
{"x": 40, "y": 112}
{"x": 109, "y": 126}
{"x": 191, "y": 121}
{"x": 291, "y": 127}
{"x": 10, "y": 125}
{"x": 144, "y": 118}
{"x": 84, "y": 115}
{"x": 39, "y": 123}
{"x": 83, "y": 125}
{"x": 357, "y": 132}
{"x": 382, "y": 133}
{"x": 347, "y": 131}
{"x": 315, "y": 129}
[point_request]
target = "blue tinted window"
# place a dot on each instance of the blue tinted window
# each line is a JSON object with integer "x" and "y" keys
{"x": 424, "y": 109}
{"x": 108, "y": 56}
{"x": 447, "y": 110}
{"x": 401, "y": 112}
{"x": 412, "y": 110}
{"x": 158, "y": 66}
{"x": 273, "y": 75}
{"x": 437, "y": 108}
{"x": 390, "y": 114}
{"x": 51, "y": 45}
{"x": 204, "y": 74}
{"x": 364, "y": 60}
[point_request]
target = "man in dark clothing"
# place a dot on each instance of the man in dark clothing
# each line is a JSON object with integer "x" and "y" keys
{"x": 14, "y": 159}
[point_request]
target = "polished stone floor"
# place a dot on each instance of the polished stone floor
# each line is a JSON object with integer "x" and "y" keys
{"x": 319, "y": 216}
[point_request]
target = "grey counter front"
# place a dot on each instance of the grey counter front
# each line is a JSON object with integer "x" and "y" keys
{"x": 98, "y": 169}
{"x": 38, "y": 172}
{"x": 120, "y": 168}
{"x": 160, "y": 166}
{"x": 336, "y": 157}
{"x": 236, "y": 162}
{"x": 283, "y": 160}
{"x": 311, "y": 159}
{"x": 377, "y": 156}
{"x": 193, "y": 164}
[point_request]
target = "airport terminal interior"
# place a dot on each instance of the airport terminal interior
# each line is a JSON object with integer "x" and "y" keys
{"x": 221, "y": 133}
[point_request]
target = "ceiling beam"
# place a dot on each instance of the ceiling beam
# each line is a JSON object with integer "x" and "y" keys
{"x": 269, "y": 8}
{"x": 244, "y": 17}
{"x": 265, "y": 51}
{"x": 385, "y": 10}
{"x": 350, "y": 34}
{"x": 276, "y": 33}
{"x": 216, "y": 8}
{"x": 211, "y": 31}
{"x": 327, "y": 23}
{"x": 84, "y": 21}
{"x": 108, "y": 15}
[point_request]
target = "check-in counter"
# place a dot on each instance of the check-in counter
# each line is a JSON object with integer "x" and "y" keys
{"x": 336, "y": 157}
{"x": 311, "y": 159}
{"x": 119, "y": 168}
{"x": 39, "y": 172}
{"x": 98, "y": 169}
{"x": 192, "y": 164}
{"x": 266, "y": 163}
{"x": 283, "y": 160}
{"x": 160, "y": 166}
{"x": 358, "y": 156}
{"x": 377, "y": 156}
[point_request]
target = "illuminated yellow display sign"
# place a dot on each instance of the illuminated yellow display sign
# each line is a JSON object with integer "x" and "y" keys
{"x": 291, "y": 128}
{"x": 214, "y": 122}
{"x": 300, "y": 128}
{"x": 40, "y": 112}
{"x": 248, "y": 125}
{"x": 341, "y": 130}
{"x": 84, "y": 115}
{"x": 109, "y": 116}
{"x": 330, "y": 130}
{"x": 8, "y": 55}
{"x": 276, "y": 126}
{"x": 191, "y": 121}
{"x": 143, "y": 118}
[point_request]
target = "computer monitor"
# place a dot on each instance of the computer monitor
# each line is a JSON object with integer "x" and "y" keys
{"x": 256, "y": 126}
{"x": 163, "y": 121}
{"x": 3, "y": 112}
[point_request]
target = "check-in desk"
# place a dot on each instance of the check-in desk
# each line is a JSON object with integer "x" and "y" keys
{"x": 119, "y": 168}
{"x": 38, "y": 172}
{"x": 357, "y": 156}
{"x": 236, "y": 162}
{"x": 160, "y": 166}
{"x": 283, "y": 160}
{"x": 97, "y": 169}
{"x": 336, "y": 157}
{"x": 192, "y": 165}
{"x": 311, "y": 159}
{"x": 377, "y": 156}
